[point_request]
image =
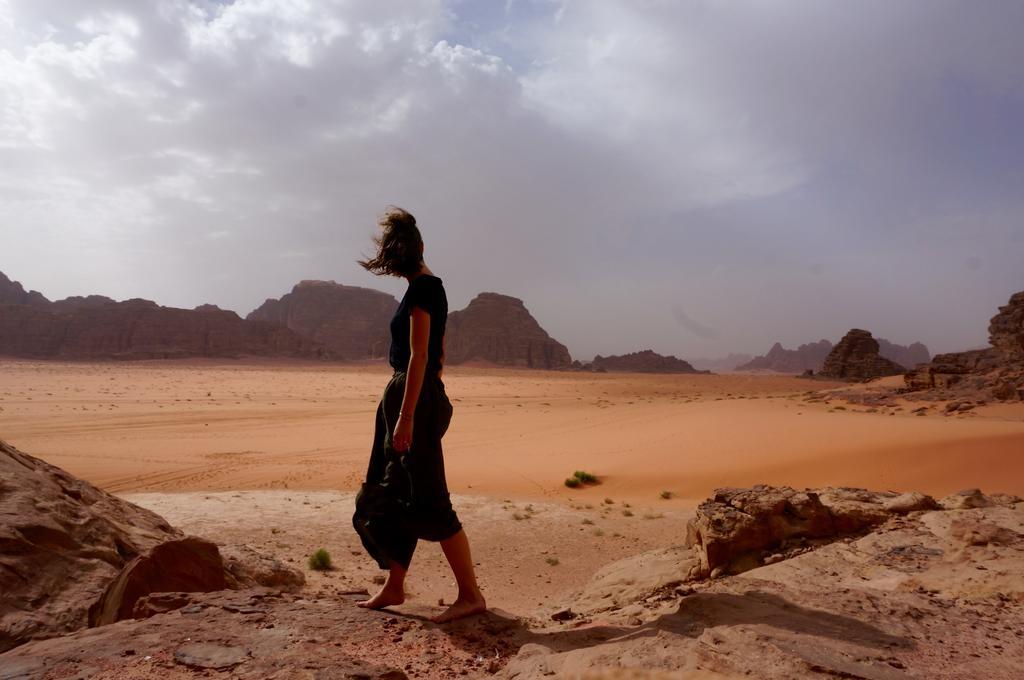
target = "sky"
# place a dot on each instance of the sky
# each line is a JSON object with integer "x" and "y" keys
{"x": 696, "y": 177}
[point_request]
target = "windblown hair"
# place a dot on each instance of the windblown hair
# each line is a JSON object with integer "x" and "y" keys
{"x": 399, "y": 246}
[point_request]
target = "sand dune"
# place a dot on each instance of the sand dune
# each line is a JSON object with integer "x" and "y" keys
{"x": 186, "y": 426}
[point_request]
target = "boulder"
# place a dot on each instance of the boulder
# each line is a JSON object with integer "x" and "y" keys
{"x": 856, "y": 357}
{"x": 498, "y": 329}
{"x": 351, "y": 322}
{"x": 736, "y": 529}
{"x": 187, "y": 564}
{"x": 73, "y": 556}
{"x": 645, "y": 361}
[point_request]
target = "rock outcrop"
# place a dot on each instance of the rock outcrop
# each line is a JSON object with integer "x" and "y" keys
{"x": 996, "y": 371}
{"x": 498, "y": 329}
{"x": 853, "y": 584}
{"x": 351, "y": 322}
{"x": 856, "y": 357}
{"x": 808, "y": 357}
{"x": 910, "y": 355}
{"x": 645, "y": 361}
{"x": 96, "y": 327}
{"x": 12, "y": 293}
{"x": 73, "y": 556}
{"x": 811, "y": 356}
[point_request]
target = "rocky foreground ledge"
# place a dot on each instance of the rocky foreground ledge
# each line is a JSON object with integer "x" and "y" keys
{"x": 769, "y": 583}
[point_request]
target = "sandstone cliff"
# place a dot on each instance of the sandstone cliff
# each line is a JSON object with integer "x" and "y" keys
{"x": 997, "y": 371}
{"x": 498, "y": 329}
{"x": 12, "y": 293}
{"x": 645, "y": 361}
{"x": 351, "y": 322}
{"x": 96, "y": 327}
{"x": 856, "y": 357}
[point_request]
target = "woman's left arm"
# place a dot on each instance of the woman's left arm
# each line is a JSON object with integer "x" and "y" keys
{"x": 419, "y": 336}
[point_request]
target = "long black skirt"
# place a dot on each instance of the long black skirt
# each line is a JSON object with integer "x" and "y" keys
{"x": 405, "y": 496}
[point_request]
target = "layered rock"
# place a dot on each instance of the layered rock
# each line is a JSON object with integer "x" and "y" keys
{"x": 996, "y": 371}
{"x": 351, "y": 322}
{"x": 72, "y": 555}
{"x": 829, "y": 582}
{"x": 498, "y": 329}
{"x": 808, "y": 357}
{"x": 856, "y": 357}
{"x": 645, "y": 361}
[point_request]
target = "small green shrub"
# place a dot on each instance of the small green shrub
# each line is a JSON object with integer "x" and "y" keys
{"x": 608, "y": 501}
{"x": 572, "y": 482}
{"x": 553, "y": 561}
{"x": 665, "y": 495}
{"x": 627, "y": 513}
{"x": 320, "y": 560}
{"x": 585, "y": 477}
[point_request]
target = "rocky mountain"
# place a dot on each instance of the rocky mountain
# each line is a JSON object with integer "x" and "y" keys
{"x": 96, "y": 327}
{"x": 351, "y": 322}
{"x": 997, "y": 371}
{"x": 498, "y": 329}
{"x": 910, "y": 355}
{"x": 808, "y": 357}
{"x": 645, "y": 361}
{"x": 856, "y": 357}
{"x": 12, "y": 293}
{"x": 722, "y": 364}
{"x": 811, "y": 357}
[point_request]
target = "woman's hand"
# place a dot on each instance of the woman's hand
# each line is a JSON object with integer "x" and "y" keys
{"x": 401, "y": 439}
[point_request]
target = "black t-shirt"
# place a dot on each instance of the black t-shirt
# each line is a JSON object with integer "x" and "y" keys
{"x": 427, "y": 293}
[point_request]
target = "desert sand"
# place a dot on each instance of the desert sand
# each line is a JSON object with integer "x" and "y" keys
{"x": 205, "y": 426}
{"x": 269, "y": 454}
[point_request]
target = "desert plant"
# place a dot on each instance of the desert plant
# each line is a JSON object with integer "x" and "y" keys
{"x": 572, "y": 482}
{"x": 320, "y": 560}
{"x": 665, "y": 495}
{"x": 588, "y": 521}
{"x": 627, "y": 513}
{"x": 553, "y": 561}
{"x": 585, "y": 477}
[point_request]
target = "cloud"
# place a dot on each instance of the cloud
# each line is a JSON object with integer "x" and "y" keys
{"x": 815, "y": 160}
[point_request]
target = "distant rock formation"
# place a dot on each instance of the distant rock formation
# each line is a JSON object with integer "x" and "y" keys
{"x": 911, "y": 355}
{"x": 645, "y": 361}
{"x": 722, "y": 364}
{"x": 96, "y": 327}
{"x": 997, "y": 370}
{"x": 856, "y": 357}
{"x": 498, "y": 329}
{"x": 351, "y": 322}
{"x": 809, "y": 357}
{"x": 12, "y": 293}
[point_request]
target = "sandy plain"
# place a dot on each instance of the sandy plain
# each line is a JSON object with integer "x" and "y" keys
{"x": 270, "y": 453}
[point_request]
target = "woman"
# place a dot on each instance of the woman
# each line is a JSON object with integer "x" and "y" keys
{"x": 405, "y": 496}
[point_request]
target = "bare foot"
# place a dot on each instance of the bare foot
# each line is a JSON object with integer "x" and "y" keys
{"x": 387, "y": 597}
{"x": 462, "y": 608}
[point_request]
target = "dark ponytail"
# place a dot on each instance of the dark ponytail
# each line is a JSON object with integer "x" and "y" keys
{"x": 399, "y": 246}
